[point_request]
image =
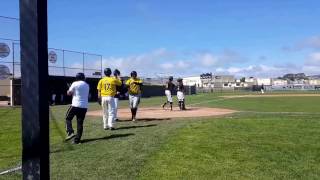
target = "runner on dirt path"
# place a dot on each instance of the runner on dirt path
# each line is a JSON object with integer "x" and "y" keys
{"x": 134, "y": 85}
{"x": 180, "y": 94}
{"x": 169, "y": 91}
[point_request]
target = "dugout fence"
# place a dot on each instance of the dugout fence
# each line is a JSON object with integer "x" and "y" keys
{"x": 63, "y": 65}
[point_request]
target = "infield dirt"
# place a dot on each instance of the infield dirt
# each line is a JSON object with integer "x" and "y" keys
{"x": 165, "y": 114}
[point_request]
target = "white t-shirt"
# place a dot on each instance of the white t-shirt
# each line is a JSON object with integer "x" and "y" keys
{"x": 80, "y": 91}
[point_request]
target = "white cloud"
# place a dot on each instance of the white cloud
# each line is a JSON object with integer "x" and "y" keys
{"x": 182, "y": 64}
{"x": 208, "y": 59}
{"x": 234, "y": 70}
{"x": 225, "y": 58}
{"x": 308, "y": 43}
{"x": 261, "y": 70}
{"x": 312, "y": 64}
{"x": 162, "y": 61}
{"x": 146, "y": 64}
{"x": 313, "y": 42}
{"x": 167, "y": 66}
{"x": 313, "y": 59}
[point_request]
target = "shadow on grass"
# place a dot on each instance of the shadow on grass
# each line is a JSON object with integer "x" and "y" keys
{"x": 60, "y": 132}
{"x": 153, "y": 119}
{"x": 10, "y": 156}
{"x": 133, "y": 127}
{"x": 107, "y": 137}
{"x": 145, "y": 119}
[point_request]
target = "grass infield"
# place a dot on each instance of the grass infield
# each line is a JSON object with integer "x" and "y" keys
{"x": 260, "y": 142}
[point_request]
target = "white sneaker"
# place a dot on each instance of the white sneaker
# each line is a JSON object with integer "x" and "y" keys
{"x": 133, "y": 120}
{"x": 70, "y": 136}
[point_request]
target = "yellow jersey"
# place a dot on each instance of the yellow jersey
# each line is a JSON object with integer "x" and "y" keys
{"x": 107, "y": 86}
{"x": 134, "y": 88}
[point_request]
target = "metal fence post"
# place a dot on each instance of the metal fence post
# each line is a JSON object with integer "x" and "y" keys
{"x": 63, "y": 66}
{"x": 101, "y": 66}
{"x": 13, "y": 60}
{"x": 83, "y": 63}
{"x": 12, "y": 79}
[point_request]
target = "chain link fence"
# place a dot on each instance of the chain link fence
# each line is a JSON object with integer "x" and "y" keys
{"x": 61, "y": 63}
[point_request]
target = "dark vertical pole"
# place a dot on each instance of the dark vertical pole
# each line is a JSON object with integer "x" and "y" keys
{"x": 34, "y": 75}
{"x": 64, "y": 70}
{"x": 12, "y": 60}
{"x": 12, "y": 94}
{"x": 101, "y": 66}
{"x": 83, "y": 63}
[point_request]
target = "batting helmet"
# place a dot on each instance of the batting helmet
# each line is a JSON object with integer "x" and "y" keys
{"x": 116, "y": 72}
{"x": 170, "y": 78}
{"x": 133, "y": 74}
{"x": 80, "y": 76}
{"x": 107, "y": 71}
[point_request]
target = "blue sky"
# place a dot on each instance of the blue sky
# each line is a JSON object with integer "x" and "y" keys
{"x": 178, "y": 37}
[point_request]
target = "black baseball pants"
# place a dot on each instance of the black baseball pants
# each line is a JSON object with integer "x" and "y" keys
{"x": 80, "y": 113}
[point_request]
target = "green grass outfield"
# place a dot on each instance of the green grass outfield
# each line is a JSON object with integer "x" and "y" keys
{"x": 270, "y": 138}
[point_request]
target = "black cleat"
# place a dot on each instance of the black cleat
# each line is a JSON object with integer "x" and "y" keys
{"x": 76, "y": 142}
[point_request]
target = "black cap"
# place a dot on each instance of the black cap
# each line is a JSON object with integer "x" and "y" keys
{"x": 133, "y": 74}
{"x": 80, "y": 76}
{"x": 107, "y": 71}
{"x": 116, "y": 72}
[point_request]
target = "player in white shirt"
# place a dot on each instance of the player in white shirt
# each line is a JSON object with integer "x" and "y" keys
{"x": 79, "y": 90}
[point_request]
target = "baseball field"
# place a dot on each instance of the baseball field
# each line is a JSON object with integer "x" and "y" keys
{"x": 271, "y": 136}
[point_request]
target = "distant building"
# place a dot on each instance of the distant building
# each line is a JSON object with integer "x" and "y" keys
{"x": 263, "y": 81}
{"x": 236, "y": 84}
{"x": 293, "y": 77}
{"x": 315, "y": 82}
{"x": 249, "y": 82}
{"x": 220, "y": 81}
{"x": 192, "y": 81}
{"x": 279, "y": 82}
{"x": 153, "y": 81}
{"x": 298, "y": 82}
{"x": 5, "y": 88}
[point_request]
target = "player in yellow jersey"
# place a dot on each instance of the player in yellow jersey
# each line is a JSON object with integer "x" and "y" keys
{"x": 116, "y": 74}
{"x": 107, "y": 89}
{"x": 134, "y": 85}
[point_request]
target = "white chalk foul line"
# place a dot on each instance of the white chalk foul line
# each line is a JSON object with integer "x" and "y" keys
{"x": 274, "y": 112}
{"x": 256, "y": 112}
{"x": 11, "y": 170}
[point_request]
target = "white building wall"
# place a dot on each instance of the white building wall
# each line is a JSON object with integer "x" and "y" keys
{"x": 279, "y": 82}
{"x": 5, "y": 87}
{"x": 191, "y": 81}
{"x": 314, "y": 82}
{"x": 264, "y": 81}
{"x": 250, "y": 80}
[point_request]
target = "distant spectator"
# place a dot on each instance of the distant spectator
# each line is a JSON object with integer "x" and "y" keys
{"x": 262, "y": 89}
